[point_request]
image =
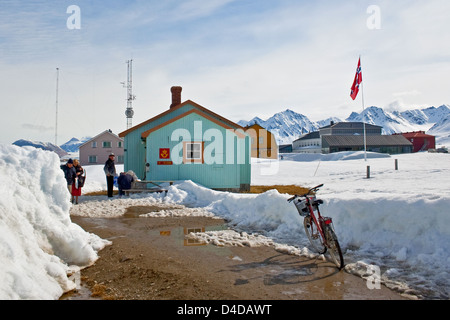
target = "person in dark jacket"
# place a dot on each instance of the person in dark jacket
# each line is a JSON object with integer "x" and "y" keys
{"x": 69, "y": 174}
{"x": 124, "y": 181}
{"x": 110, "y": 172}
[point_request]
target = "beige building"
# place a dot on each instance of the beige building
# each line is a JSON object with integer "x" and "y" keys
{"x": 97, "y": 150}
{"x": 263, "y": 143}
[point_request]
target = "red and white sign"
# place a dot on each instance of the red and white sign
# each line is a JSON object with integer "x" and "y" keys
{"x": 164, "y": 153}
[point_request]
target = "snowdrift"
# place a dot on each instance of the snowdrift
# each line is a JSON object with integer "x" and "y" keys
{"x": 39, "y": 244}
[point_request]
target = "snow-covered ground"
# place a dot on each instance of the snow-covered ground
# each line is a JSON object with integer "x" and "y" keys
{"x": 398, "y": 220}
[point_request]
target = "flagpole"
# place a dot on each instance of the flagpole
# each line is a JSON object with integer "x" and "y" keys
{"x": 364, "y": 124}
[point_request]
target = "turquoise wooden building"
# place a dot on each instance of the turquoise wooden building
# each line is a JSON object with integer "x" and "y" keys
{"x": 189, "y": 142}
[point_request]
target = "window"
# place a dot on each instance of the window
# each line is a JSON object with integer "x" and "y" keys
{"x": 92, "y": 159}
{"x": 119, "y": 144}
{"x": 193, "y": 152}
{"x": 106, "y": 144}
{"x": 94, "y": 144}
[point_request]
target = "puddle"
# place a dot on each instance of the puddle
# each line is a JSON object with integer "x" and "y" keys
{"x": 136, "y": 211}
{"x": 139, "y": 211}
{"x": 81, "y": 292}
{"x": 171, "y": 233}
{"x": 180, "y": 236}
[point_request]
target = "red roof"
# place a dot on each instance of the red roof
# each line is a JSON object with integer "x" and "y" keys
{"x": 416, "y": 134}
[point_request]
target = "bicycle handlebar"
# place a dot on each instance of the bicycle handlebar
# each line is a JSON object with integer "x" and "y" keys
{"x": 304, "y": 195}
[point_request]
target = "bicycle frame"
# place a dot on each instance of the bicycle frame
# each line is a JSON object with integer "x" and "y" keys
{"x": 319, "y": 220}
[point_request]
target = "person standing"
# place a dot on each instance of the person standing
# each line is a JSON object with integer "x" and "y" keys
{"x": 69, "y": 174}
{"x": 110, "y": 171}
{"x": 78, "y": 183}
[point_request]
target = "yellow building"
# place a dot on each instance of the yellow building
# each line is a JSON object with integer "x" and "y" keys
{"x": 263, "y": 142}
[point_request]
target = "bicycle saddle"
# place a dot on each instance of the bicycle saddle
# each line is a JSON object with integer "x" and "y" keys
{"x": 317, "y": 202}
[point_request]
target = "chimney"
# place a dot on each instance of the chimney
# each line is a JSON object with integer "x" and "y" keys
{"x": 176, "y": 96}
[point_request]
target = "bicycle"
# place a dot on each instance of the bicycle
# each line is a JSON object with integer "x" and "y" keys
{"x": 319, "y": 230}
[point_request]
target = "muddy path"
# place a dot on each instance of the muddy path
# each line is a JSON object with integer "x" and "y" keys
{"x": 150, "y": 259}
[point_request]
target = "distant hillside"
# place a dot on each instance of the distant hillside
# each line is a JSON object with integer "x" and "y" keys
{"x": 41, "y": 145}
{"x": 73, "y": 144}
{"x": 442, "y": 130}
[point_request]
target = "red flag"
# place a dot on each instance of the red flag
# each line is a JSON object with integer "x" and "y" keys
{"x": 357, "y": 81}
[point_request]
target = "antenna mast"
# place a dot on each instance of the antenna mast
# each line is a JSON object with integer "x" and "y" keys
{"x": 56, "y": 121}
{"x": 130, "y": 97}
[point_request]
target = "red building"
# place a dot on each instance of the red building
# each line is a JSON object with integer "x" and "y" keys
{"x": 420, "y": 140}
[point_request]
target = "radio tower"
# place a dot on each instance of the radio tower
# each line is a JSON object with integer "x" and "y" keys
{"x": 130, "y": 97}
{"x": 56, "y": 120}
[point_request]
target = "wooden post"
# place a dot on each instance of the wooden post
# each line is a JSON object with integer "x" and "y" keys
{"x": 396, "y": 164}
{"x": 368, "y": 172}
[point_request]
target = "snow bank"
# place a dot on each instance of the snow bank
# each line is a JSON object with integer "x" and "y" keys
{"x": 38, "y": 241}
{"x": 269, "y": 212}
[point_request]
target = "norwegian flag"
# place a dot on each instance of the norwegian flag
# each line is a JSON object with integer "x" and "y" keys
{"x": 357, "y": 81}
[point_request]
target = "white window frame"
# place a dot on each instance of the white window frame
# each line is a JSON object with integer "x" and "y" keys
{"x": 190, "y": 155}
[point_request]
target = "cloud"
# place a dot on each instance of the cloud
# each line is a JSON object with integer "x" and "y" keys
{"x": 194, "y": 9}
{"x": 240, "y": 58}
{"x": 407, "y": 93}
{"x": 38, "y": 128}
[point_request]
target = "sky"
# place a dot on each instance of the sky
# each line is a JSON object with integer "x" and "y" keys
{"x": 238, "y": 58}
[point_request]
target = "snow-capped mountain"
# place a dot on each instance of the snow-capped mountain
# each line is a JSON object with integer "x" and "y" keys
{"x": 442, "y": 130}
{"x": 41, "y": 145}
{"x": 73, "y": 144}
{"x": 406, "y": 121}
{"x": 391, "y": 123}
{"x": 288, "y": 125}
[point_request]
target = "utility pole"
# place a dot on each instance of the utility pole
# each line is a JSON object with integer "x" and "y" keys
{"x": 56, "y": 121}
{"x": 130, "y": 97}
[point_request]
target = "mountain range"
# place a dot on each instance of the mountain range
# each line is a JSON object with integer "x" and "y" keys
{"x": 41, "y": 145}
{"x": 70, "y": 146}
{"x": 288, "y": 125}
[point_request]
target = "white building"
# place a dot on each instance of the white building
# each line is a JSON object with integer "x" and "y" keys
{"x": 308, "y": 143}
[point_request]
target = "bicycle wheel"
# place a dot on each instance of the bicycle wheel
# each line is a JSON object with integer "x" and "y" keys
{"x": 313, "y": 234}
{"x": 333, "y": 247}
